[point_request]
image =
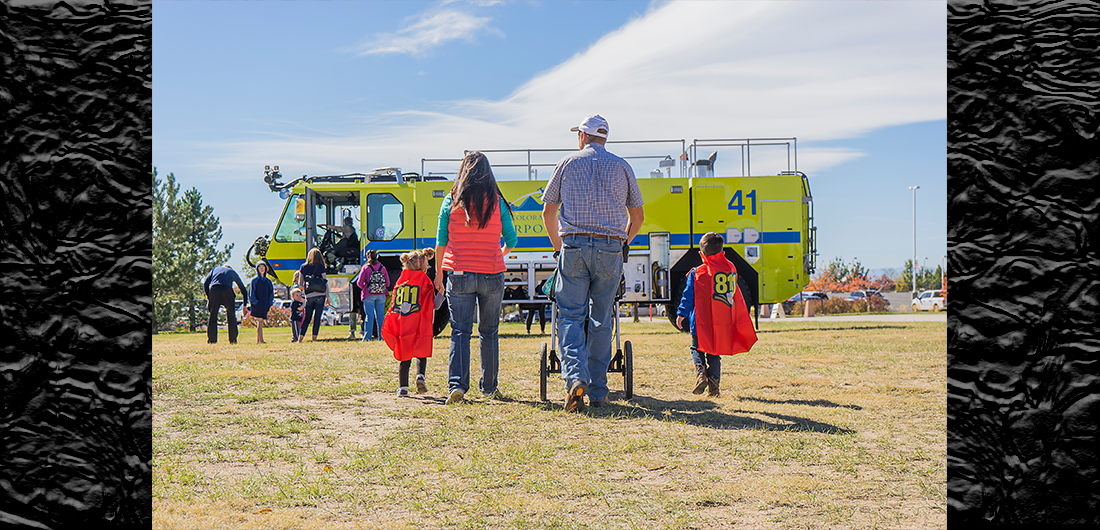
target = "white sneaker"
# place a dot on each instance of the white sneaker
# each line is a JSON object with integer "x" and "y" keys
{"x": 457, "y": 396}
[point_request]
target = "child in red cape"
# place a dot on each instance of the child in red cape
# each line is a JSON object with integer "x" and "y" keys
{"x": 408, "y": 328}
{"x": 720, "y": 322}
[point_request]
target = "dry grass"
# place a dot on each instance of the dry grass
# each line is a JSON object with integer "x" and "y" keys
{"x": 822, "y": 425}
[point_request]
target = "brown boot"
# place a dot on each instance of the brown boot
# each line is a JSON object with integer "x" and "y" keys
{"x": 712, "y": 387}
{"x": 700, "y": 379}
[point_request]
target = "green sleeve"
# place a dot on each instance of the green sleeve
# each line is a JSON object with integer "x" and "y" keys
{"x": 444, "y": 219}
{"x": 506, "y": 228}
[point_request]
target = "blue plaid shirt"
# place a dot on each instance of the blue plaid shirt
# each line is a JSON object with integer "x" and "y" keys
{"x": 594, "y": 189}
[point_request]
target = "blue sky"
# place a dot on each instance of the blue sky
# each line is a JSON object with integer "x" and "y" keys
{"x": 345, "y": 86}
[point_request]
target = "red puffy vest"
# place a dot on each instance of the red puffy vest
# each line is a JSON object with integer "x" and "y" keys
{"x": 473, "y": 249}
{"x": 722, "y": 322}
{"x": 408, "y": 325}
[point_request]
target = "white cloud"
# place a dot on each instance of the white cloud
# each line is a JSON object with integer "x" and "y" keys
{"x": 479, "y": 3}
{"x": 430, "y": 31}
{"x": 816, "y": 70}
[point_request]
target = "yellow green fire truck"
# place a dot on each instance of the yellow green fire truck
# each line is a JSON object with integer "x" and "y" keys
{"x": 767, "y": 221}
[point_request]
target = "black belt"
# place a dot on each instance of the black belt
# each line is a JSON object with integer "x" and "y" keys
{"x": 616, "y": 238}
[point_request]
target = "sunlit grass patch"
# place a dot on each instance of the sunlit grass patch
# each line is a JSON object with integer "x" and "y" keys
{"x": 823, "y": 424}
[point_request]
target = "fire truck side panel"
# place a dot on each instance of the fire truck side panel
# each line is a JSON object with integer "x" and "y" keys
{"x": 760, "y": 219}
{"x": 784, "y": 275}
{"x": 525, "y": 197}
{"x": 429, "y": 197}
{"x": 667, "y": 209}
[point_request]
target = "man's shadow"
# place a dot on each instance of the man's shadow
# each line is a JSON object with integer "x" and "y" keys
{"x": 700, "y": 414}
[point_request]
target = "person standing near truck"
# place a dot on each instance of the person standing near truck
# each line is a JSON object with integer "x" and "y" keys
{"x": 373, "y": 282}
{"x": 218, "y": 286}
{"x": 315, "y": 286}
{"x": 471, "y": 223}
{"x": 600, "y": 209}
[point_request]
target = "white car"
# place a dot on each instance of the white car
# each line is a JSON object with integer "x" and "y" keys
{"x": 329, "y": 317}
{"x": 929, "y": 301}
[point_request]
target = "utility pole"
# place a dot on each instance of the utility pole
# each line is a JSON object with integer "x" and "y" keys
{"x": 913, "y": 273}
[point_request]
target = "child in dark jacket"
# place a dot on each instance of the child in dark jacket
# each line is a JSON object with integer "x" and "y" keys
{"x": 296, "y": 313}
{"x": 719, "y": 318}
{"x": 408, "y": 328}
{"x": 261, "y": 294}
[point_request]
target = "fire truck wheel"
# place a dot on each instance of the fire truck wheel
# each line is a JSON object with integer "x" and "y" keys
{"x": 670, "y": 312}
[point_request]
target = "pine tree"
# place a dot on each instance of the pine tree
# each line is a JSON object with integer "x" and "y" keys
{"x": 185, "y": 246}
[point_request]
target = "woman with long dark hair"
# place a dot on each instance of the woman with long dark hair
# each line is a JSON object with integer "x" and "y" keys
{"x": 471, "y": 223}
{"x": 315, "y": 286}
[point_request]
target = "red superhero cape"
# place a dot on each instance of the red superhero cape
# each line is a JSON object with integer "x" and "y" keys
{"x": 408, "y": 325}
{"x": 722, "y": 322}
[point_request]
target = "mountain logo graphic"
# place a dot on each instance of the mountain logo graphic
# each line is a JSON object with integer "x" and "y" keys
{"x": 528, "y": 203}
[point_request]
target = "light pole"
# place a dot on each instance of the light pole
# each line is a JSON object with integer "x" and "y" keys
{"x": 913, "y": 275}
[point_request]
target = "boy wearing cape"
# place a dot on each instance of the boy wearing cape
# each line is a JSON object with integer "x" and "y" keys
{"x": 720, "y": 322}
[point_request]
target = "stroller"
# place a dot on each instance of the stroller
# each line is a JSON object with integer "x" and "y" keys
{"x": 622, "y": 362}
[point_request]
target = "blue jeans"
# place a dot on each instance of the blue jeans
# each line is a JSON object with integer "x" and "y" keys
{"x": 712, "y": 363}
{"x": 374, "y": 311}
{"x": 463, "y": 291}
{"x": 589, "y": 270}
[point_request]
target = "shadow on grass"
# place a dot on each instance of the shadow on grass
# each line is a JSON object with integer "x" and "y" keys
{"x": 692, "y": 412}
{"x": 706, "y": 414}
{"x": 813, "y": 403}
{"x": 839, "y": 328}
{"x": 533, "y": 335}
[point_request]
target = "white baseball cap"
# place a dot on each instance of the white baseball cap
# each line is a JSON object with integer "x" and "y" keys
{"x": 593, "y": 125}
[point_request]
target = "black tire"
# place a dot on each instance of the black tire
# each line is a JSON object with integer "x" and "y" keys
{"x": 544, "y": 372}
{"x": 628, "y": 369}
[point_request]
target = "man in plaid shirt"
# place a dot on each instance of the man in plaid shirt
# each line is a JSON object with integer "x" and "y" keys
{"x": 600, "y": 205}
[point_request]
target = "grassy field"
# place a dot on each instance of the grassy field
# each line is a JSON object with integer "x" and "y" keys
{"x": 821, "y": 425}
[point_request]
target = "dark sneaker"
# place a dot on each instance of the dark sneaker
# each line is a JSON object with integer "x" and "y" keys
{"x": 596, "y": 403}
{"x": 574, "y": 398}
{"x": 421, "y": 386}
{"x": 457, "y": 396}
{"x": 701, "y": 380}
{"x": 402, "y": 392}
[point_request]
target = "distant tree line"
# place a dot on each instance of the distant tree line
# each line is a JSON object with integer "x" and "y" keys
{"x": 839, "y": 276}
{"x": 186, "y": 234}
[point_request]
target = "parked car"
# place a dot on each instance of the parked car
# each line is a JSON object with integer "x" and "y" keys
{"x": 516, "y": 316}
{"x": 788, "y": 305}
{"x": 329, "y": 317}
{"x": 860, "y": 296}
{"x": 929, "y": 301}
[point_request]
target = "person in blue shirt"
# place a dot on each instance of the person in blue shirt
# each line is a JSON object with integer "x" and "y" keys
{"x": 260, "y": 298}
{"x": 218, "y": 286}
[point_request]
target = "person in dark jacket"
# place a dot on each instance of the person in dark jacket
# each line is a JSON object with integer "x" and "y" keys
{"x": 533, "y": 309}
{"x": 313, "y": 273}
{"x": 261, "y": 296}
{"x": 296, "y": 312}
{"x": 218, "y": 286}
